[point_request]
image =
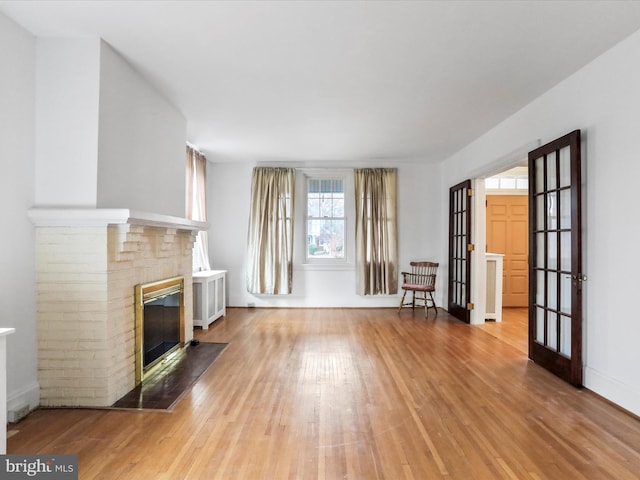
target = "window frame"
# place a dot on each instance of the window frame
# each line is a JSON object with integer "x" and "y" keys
{"x": 307, "y": 261}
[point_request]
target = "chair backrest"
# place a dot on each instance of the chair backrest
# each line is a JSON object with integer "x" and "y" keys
{"x": 424, "y": 273}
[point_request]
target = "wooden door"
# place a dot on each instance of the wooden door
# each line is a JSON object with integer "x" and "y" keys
{"x": 555, "y": 262}
{"x": 460, "y": 251}
{"x": 507, "y": 233}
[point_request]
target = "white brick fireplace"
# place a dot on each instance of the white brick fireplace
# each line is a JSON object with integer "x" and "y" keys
{"x": 88, "y": 262}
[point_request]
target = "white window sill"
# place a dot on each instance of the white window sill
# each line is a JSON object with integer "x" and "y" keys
{"x": 337, "y": 266}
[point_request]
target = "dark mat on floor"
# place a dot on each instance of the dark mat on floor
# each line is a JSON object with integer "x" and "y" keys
{"x": 170, "y": 381}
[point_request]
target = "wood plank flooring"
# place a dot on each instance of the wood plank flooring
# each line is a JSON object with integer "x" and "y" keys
{"x": 352, "y": 394}
{"x": 513, "y": 328}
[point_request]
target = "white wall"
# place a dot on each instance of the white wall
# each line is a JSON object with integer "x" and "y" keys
{"x": 419, "y": 216}
{"x": 67, "y": 121}
{"x": 105, "y": 137}
{"x": 603, "y": 100}
{"x": 17, "y": 160}
{"x": 142, "y": 142}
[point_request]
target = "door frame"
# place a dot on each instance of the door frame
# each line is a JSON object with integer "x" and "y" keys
{"x": 517, "y": 157}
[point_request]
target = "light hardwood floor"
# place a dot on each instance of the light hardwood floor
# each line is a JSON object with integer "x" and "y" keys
{"x": 512, "y": 329}
{"x": 353, "y": 394}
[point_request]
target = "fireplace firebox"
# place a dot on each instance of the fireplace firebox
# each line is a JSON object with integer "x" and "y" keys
{"x": 159, "y": 323}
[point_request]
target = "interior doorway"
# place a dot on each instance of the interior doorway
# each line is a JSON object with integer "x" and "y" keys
{"x": 506, "y": 223}
{"x": 507, "y": 234}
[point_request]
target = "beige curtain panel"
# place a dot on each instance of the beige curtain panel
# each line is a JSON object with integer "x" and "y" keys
{"x": 376, "y": 231}
{"x": 270, "y": 239}
{"x": 196, "y": 204}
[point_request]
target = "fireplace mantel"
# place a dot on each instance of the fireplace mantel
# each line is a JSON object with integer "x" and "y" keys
{"x": 96, "y": 217}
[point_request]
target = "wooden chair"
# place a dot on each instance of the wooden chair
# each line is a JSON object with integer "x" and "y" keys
{"x": 421, "y": 282}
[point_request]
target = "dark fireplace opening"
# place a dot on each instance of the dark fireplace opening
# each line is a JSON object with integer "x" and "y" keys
{"x": 159, "y": 322}
{"x": 161, "y": 327}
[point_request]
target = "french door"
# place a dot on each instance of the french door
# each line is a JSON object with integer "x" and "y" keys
{"x": 460, "y": 250}
{"x": 555, "y": 258}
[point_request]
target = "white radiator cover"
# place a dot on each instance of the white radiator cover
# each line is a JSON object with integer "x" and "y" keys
{"x": 209, "y": 297}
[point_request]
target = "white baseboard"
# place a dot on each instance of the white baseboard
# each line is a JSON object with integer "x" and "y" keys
{"x": 613, "y": 390}
{"x": 28, "y": 395}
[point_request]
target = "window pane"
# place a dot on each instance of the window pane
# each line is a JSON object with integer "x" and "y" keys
{"x": 540, "y": 288}
{"x": 565, "y": 336}
{"x": 508, "y": 182}
{"x": 565, "y": 293}
{"x": 565, "y": 253}
{"x": 313, "y": 207}
{"x": 565, "y": 209}
{"x": 325, "y": 206}
{"x": 314, "y": 186}
{"x": 565, "y": 167}
{"x": 522, "y": 183}
{"x": 552, "y": 211}
{"x": 540, "y": 325}
{"x": 539, "y": 168}
{"x": 492, "y": 183}
{"x": 552, "y": 181}
{"x": 552, "y": 330}
{"x": 338, "y": 207}
{"x": 541, "y": 249}
{"x": 552, "y": 285}
{"x": 540, "y": 214}
{"x": 552, "y": 251}
{"x": 325, "y": 238}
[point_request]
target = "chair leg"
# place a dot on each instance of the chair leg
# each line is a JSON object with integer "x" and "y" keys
{"x": 426, "y": 305}
{"x": 402, "y": 301}
{"x": 433, "y": 302}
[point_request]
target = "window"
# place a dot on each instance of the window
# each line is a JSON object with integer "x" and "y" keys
{"x": 514, "y": 179}
{"x": 196, "y": 204}
{"x": 325, "y": 218}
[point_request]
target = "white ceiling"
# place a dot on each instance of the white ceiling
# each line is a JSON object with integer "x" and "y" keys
{"x": 342, "y": 80}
